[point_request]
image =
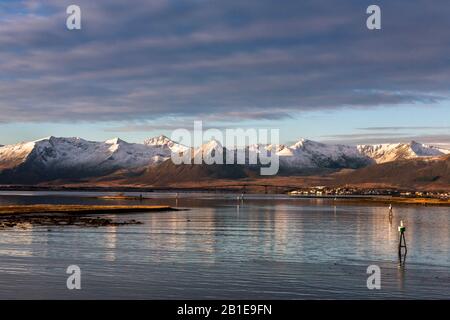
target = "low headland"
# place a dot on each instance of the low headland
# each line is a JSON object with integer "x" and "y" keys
{"x": 78, "y": 209}
{"x": 70, "y": 215}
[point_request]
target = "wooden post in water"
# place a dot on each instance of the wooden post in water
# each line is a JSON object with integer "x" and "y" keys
{"x": 401, "y": 240}
{"x": 390, "y": 214}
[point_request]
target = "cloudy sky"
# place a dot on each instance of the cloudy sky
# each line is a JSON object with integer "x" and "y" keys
{"x": 308, "y": 67}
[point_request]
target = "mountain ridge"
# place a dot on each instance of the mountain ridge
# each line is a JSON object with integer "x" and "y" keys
{"x": 59, "y": 158}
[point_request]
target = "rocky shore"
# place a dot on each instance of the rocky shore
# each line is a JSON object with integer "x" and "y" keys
{"x": 69, "y": 215}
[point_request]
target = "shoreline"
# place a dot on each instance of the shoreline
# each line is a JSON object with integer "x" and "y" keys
{"x": 17, "y": 210}
{"x": 347, "y": 199}
{"x": 261, "y": 187}
{"x": 69, "y": 215}
{"x": 397, "y": 201}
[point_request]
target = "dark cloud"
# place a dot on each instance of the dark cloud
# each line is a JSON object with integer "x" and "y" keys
{"x": 254, "y": 58}
{"x": 223, "y": 121}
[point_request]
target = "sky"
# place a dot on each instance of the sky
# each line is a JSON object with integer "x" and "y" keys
{"x": 310, "y": 68}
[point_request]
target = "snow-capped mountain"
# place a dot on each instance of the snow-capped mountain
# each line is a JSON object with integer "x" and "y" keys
{"x": 310, "y": 154}
{"x": 314, "y": 154}
{"x": 164, "y": 142}
{"x": 67, "y": 152}
{"x": 382, "y": 153}
{"x": 210, "y": 152}
{"x": 65, "y": 157}
{"x": 306, "y": 154}
{"x": 74, "y": 158}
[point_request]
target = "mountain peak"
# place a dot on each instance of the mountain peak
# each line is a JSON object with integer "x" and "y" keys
{"x": 56, "y": 140}
{"x": 414, "y": 143}
{"x": 399, "y": 151}
{"x": 164, "y": 142}
{"x": 213, "y": 143}
{"x": 304, "y": 142}
{"x": 115, "y": 141}
{"x": 161, "y": 140}
{"x": 45, "y": 139}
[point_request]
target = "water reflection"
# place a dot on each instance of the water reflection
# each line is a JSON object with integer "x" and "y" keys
{"x": 269, "y": 247}
{"x": 401, "y": 271}
{"x": 15, "y": 242}
{"x": 110, "y": 243}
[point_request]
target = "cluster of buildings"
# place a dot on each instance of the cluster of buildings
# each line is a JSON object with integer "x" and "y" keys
{"x": 426, "y": 194}
{"x": 322, "y": 191}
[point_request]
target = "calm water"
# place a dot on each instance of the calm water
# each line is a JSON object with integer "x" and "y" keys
{"x": 261, "y": 248}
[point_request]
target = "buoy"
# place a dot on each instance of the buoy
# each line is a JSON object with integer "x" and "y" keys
{"x": 402, "y": 240}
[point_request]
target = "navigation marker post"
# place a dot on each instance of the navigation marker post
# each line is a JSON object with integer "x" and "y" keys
{"x": 402, "y": 240}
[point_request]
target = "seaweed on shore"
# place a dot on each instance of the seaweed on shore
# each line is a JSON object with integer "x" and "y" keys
{"x": 63, "y": 220}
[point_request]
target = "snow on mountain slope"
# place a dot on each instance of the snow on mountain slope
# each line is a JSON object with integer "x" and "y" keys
{"x": 210, "y": 152}
{"x": 13, "y": 155}
{"x": 317, "y": 154}
{"x": 76, "y": 153}
{"x": 130, "y": 155}
{"x": 164, "y": 142}
{"x": 382, "y": 153}
{"x": 310, "y": 154}
{"x": 66, "y": 158}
